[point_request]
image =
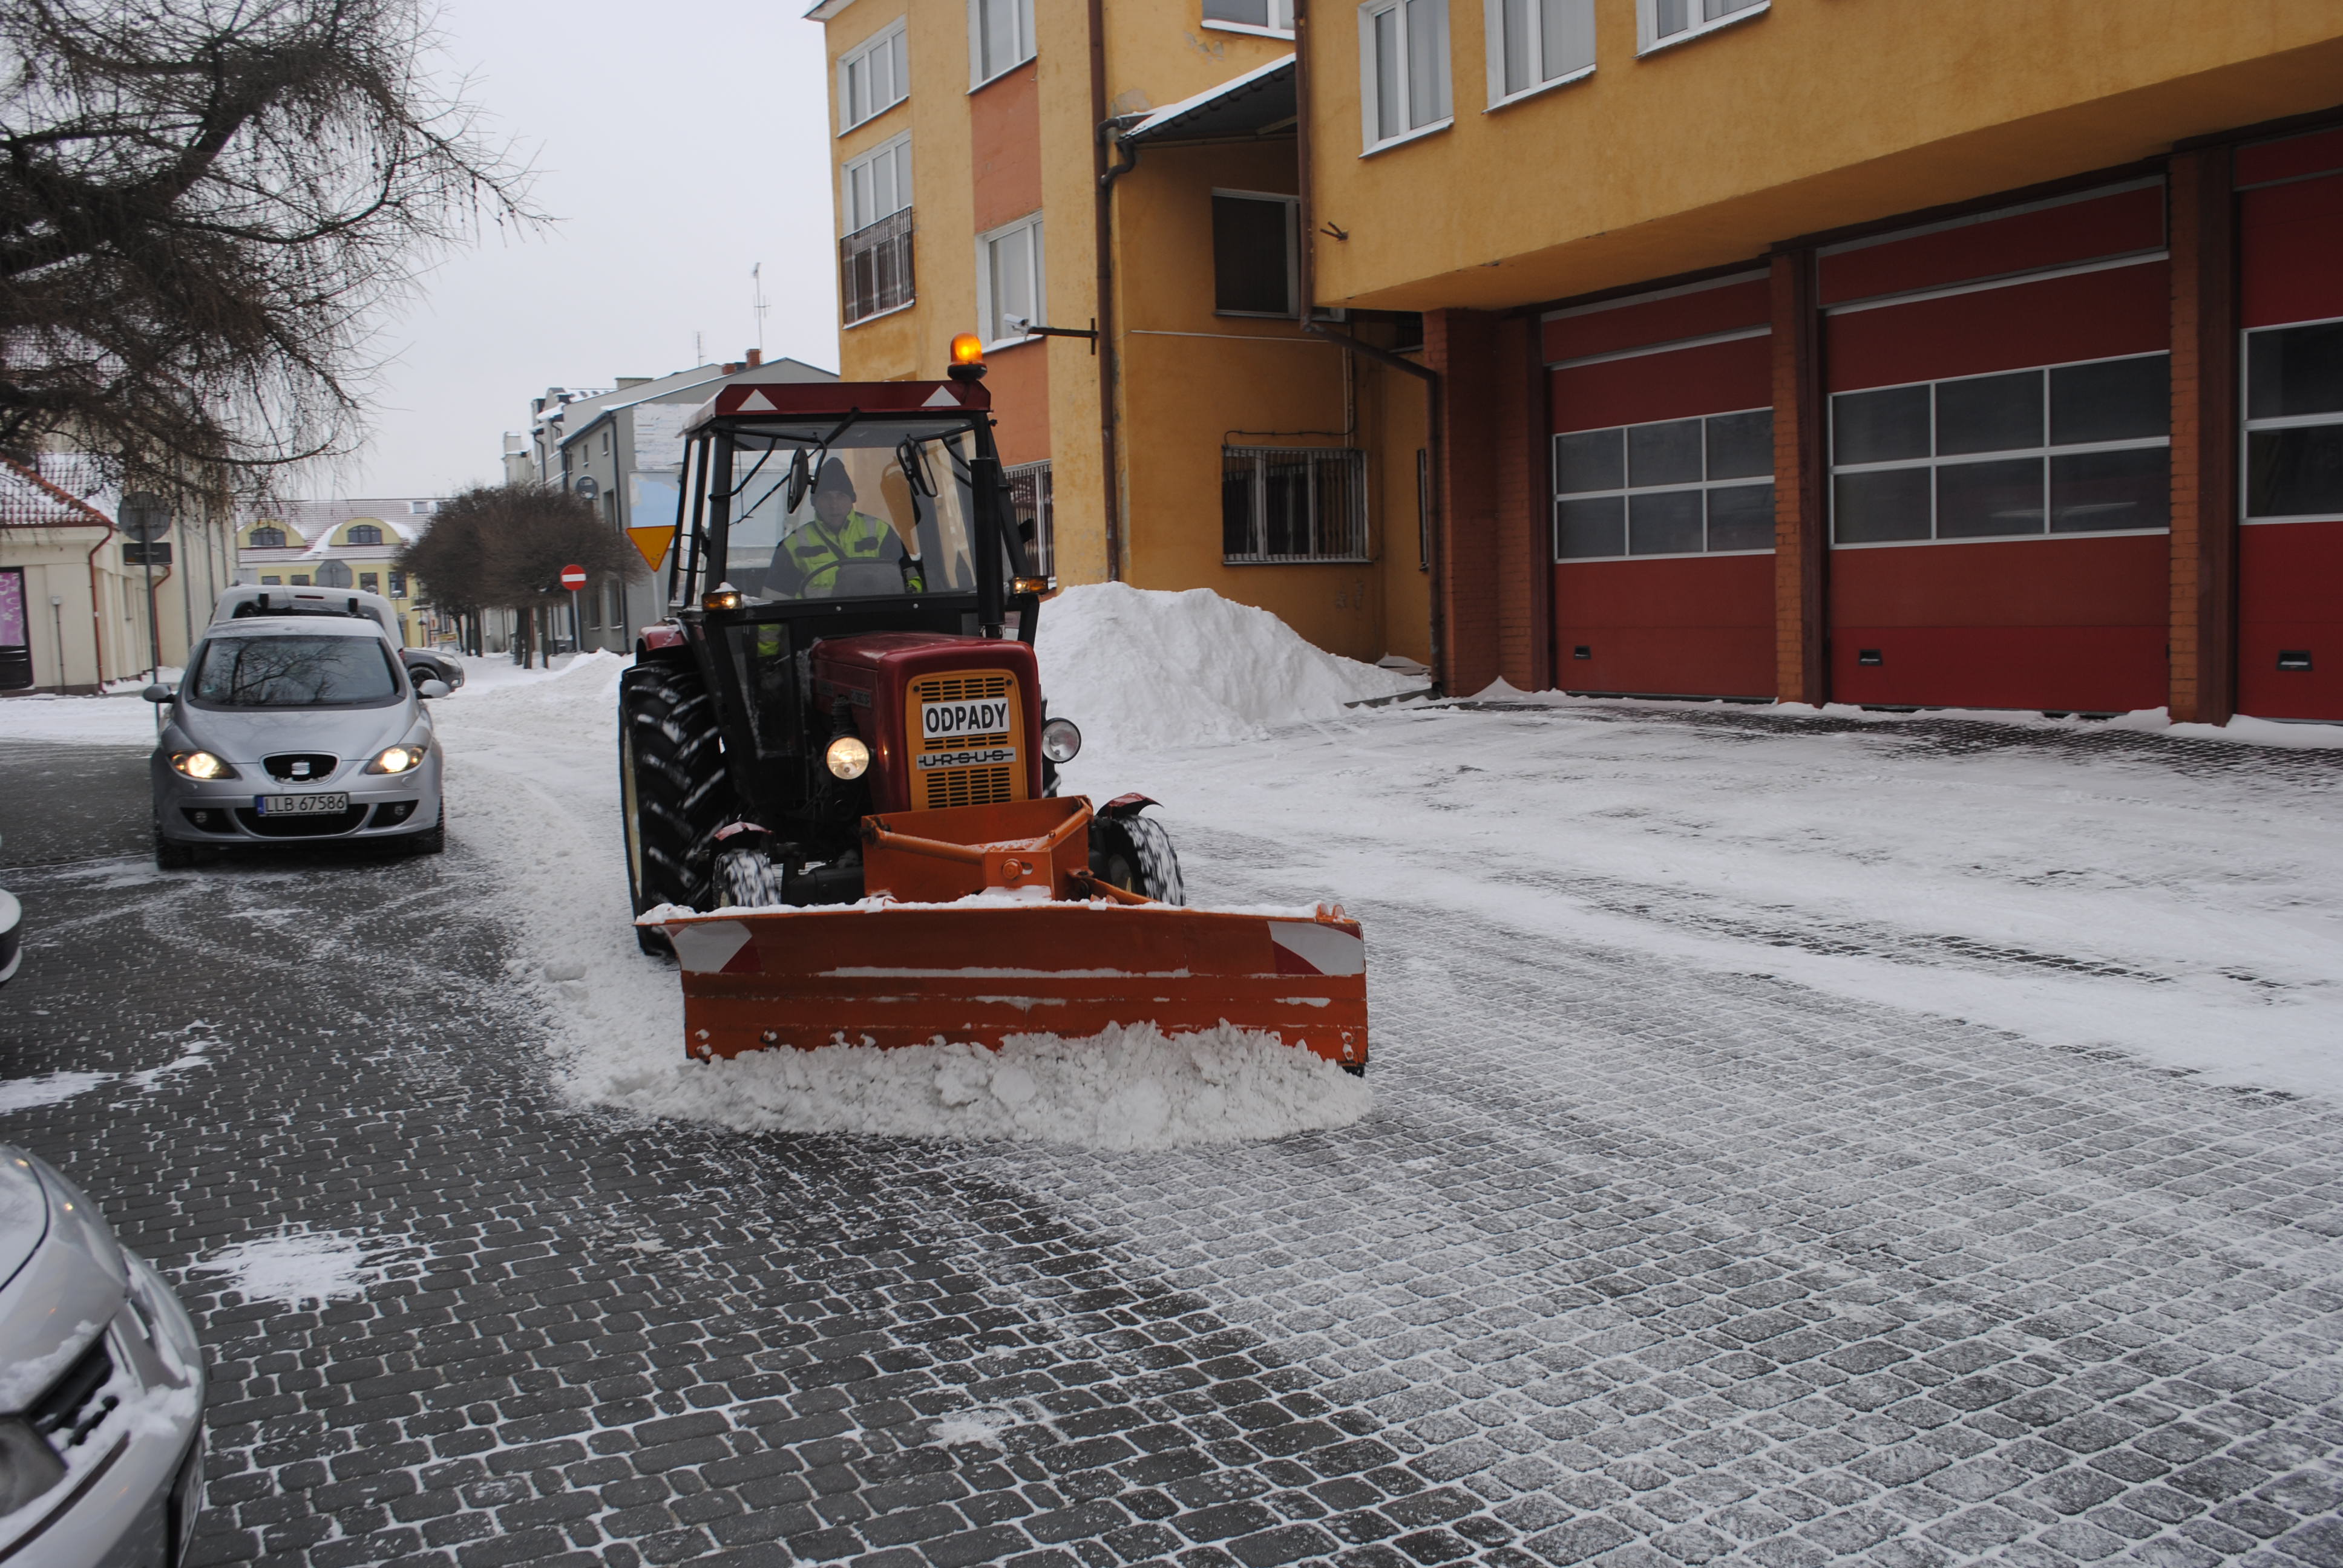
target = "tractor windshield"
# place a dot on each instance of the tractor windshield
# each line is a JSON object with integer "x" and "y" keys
{"x": 874, "y": 509}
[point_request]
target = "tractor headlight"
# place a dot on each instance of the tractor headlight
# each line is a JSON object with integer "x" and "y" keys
{"x": 397, "y": 759}
{"x": 848, "y": 756}
{"x": 1060, "y": 741}
{"x": 200, "y": 765}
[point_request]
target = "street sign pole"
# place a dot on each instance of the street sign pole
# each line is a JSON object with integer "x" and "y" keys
{"x": 146, "y": 517}
{"x": 573, "y": 577}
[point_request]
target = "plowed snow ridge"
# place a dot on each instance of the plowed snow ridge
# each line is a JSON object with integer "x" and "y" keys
{"x": 532, "y": 784}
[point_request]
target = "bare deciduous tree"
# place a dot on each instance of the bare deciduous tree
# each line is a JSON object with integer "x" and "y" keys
{"x": 203, "y": 206}
{"x": 503, "y": 546}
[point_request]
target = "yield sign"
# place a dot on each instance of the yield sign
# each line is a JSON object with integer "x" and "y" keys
{"x": 654, "y": 543}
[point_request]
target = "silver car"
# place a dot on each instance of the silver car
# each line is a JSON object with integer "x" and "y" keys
{"x": 295, "y": 729}
{"x": 101, "y": 1387}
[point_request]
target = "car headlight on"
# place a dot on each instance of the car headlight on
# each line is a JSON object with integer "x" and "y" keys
{"x": 28, "y": 1466}
{"x": 848, "y": 758}
{"x": 200, "y": 765}
{"x": 398, "y": 760}
{"x": 1060, "y": 741}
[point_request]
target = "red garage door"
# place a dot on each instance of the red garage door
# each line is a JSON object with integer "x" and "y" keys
{"x": 2000, "y": 459}
{"x": 2290, "y": 547}
{"x": 1663, "y": 470}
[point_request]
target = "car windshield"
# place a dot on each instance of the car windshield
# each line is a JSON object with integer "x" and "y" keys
{"x": 882, "y": 510}
{"x": 293, "y": 672}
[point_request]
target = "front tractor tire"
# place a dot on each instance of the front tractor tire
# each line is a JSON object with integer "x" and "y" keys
{"x": 673, "y": 788}
{"x": 1134, "y": 853}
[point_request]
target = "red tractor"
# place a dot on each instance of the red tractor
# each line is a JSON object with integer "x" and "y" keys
{"x": 843, "y": 710}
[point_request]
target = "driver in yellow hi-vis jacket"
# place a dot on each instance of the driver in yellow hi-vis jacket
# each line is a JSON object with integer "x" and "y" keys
{"x": 806, "y": 564}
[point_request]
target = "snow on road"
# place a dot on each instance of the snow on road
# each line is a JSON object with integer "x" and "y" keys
{"x": 532, "y": 781}
{"x": 2079, "y": 886}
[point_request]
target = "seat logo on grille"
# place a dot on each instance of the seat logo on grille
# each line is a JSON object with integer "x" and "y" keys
{"x": 991, "y": 757}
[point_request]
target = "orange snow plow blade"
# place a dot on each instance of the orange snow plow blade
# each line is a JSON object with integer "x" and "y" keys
{"x": 992, "y": 926}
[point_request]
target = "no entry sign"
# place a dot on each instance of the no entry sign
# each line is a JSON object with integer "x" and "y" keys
{"x": 573, "y": 577}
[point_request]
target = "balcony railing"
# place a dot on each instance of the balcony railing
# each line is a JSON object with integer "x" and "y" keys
{"x": 874, "y": 266}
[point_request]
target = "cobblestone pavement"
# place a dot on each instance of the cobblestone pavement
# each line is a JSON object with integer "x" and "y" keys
{"x": 1742, "y": 1276}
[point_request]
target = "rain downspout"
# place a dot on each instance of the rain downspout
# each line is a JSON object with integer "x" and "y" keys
{"x": 1109, "y": 352}
{"x": 1434, "y": 421}
{"x": 97, "y": 621}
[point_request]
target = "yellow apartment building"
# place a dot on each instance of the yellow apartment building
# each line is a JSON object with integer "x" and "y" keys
{"x": 351, "y": 544}
{"x": 1986, "y": 355}
{"x": 1176, "y": 427}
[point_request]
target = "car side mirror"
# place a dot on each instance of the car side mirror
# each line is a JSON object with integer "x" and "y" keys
{"x": 159, "y": 694}
{"x": 431, "y": 688}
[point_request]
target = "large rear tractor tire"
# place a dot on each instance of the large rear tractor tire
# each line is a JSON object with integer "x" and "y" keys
{"x": 1134, "y": 853}
{"x": 673, "y": 788}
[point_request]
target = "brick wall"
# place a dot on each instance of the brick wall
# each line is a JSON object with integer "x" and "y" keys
{"x": 1801, "y": 516}
{"x": 2203, "y": 637}
{"x": 1460, "y": 345}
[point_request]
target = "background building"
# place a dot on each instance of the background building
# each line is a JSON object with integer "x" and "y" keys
{"x": 74, "y": 591}
{"x": 342, "y": 544}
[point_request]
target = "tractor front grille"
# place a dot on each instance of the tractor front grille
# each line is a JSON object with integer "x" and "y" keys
{"x": 981, "y": 784}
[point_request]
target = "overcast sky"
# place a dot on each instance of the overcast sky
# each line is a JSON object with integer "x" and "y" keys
{"x": 678, "y": 144}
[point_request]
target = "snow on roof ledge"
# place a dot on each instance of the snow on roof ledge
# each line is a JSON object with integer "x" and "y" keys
{"x": 1272, "y": 83}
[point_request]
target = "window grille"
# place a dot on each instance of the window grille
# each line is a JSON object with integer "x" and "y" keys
{"x": 1032, "y": 496}
{"x": 1282, "y": 504}
{"x": 268, "y": 538}
{"x": 874, "y": 266}
{"x": 364, "y": 533}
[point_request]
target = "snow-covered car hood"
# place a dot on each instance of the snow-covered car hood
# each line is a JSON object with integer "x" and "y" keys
{"x": 247, "y": 735}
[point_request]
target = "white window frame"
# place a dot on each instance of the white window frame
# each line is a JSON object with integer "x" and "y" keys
{"x": 1274, "y": 30}
{"x": 891, "y": 38}
{"x": 898, "y": 149}
{"x": 1626, "y": 492}
{"x": 988, "y": 328}
{"x": 1293, "y": 204}
{"x": 1021, "y": 21}
{"x": 1370, "y": 95}
{"x": 1935, "y": 460}
{"x": 1495, "y": 32}
{"x": 2247, "y": 426}
{"x": 1647, "y": 22}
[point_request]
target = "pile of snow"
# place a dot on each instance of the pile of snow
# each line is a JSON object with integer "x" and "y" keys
{"x": 1140, "y": 669}
{"x": 298, "y": 1266}
{"x": 1128, "y": 1088}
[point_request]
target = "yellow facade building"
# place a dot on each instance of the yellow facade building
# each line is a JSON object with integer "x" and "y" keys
{"x": 351, "y": 544}
{"x": 1982, "y": 355}
{"x": 1243, "y": 454}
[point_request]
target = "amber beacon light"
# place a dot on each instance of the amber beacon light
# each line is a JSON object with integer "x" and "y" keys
{"x": 968, "y": 357}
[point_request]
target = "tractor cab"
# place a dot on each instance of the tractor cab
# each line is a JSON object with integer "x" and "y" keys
{"x": 847, "y": 570}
